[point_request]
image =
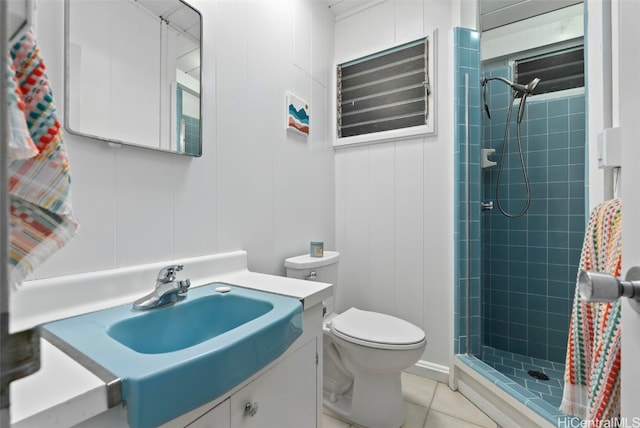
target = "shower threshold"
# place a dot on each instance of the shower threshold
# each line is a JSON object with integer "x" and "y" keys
{"x": 504, "y": 399}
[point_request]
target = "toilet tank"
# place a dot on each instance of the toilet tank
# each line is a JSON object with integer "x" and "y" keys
{"x": 322, "y": 269}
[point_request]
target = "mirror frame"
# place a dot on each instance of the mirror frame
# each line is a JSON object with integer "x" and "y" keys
{"x": 112, "y": 141}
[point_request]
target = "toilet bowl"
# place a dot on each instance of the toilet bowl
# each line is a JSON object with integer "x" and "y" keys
{"x": 364, "y": 353}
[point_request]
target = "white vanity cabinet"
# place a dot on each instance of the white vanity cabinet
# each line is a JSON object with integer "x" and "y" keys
{"x": 283, "y": 396}
{"x": 218, "y": 417}
{"x": 288, "y": 391}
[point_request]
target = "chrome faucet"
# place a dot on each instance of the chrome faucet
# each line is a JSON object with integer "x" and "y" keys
{"x": 168, "y": 289}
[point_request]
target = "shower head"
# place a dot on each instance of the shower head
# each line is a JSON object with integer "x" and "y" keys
{"x": 528, "y": 89}
{"x": 525, "y": 89}
{"x": 532, "y": 85}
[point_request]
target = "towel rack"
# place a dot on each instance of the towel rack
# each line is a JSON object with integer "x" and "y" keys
{"x": 610, "y": 159}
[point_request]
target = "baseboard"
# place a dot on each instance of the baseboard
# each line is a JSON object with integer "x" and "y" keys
{"x": 430, "y": 370}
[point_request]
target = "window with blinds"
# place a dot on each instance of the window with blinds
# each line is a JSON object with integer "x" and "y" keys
{"x": 385, "y": 91}
{"x": 557, "y": 71}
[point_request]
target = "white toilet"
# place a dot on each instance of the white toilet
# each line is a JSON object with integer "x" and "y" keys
{"x": 364, "y": 353}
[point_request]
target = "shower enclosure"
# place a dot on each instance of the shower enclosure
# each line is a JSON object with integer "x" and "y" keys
{"x": 516, "y": 273}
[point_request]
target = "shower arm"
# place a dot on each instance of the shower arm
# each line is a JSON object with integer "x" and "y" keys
{"x": 515, "y": 86}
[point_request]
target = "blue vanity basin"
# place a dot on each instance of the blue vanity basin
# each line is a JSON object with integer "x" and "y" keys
{"x": 175, "y": 358}
{"x": 187, "y": 324}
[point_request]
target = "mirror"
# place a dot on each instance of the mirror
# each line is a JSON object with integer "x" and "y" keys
{"x": 132, "y": 73}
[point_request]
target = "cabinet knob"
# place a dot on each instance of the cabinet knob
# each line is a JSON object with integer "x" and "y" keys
{"x": 250, "y": 409}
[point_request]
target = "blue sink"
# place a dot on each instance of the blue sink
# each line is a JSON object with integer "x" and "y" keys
{"x": 187, "y": 324}
{"x": 175, "y": 358}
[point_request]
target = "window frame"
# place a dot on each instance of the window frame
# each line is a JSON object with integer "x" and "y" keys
{"x": 413, "y": 132}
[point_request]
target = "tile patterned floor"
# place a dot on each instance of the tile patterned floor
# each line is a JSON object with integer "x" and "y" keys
{"x": 429, "y": 404}
{"x": 516, "y": 368}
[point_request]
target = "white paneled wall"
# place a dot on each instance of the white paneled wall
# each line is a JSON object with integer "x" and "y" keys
{"x": 256, "y": 187}
{"x": 279, "y": 184}
{"x": 394, "y": 201}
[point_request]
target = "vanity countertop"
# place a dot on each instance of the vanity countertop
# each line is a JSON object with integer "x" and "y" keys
{"x": 63, "y": 392}
{"x": 310, "y": 293}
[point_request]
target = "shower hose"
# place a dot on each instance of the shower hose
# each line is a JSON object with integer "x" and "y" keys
{"x": 505, "y": 149}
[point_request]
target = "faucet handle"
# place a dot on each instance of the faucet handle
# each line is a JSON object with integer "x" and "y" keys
{"x": 183, "y": 286}
{"x": 168, "y": 273}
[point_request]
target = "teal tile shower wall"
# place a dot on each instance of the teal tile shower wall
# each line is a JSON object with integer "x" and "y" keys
{"x": 467, "y": 315}
{"x": 530, "y": 263}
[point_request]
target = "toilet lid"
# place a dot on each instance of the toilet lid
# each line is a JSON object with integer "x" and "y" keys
{"x": 376, "y": 330}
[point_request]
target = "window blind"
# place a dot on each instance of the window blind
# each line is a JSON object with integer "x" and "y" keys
{"x": 557, "y": 71}
{"x": 384, "y": 91}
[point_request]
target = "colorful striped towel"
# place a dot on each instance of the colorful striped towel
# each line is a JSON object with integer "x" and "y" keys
{"x": 41, "y": 219}
{"x": 592, "y": 371}
{"x": 20, "y": 143}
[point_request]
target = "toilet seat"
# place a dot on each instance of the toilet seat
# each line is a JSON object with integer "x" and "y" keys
{"x": 376, "y": 330}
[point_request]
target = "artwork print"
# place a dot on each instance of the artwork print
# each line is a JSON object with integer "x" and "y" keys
{"x": 297, "y": 115}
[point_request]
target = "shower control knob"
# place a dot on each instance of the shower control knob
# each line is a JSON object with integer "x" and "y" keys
{"x": 602, "y": 287}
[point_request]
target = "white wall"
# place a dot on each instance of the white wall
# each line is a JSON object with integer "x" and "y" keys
{"x": 394, "y": 201}
{"x": 601, "y": 96}
{"x": 255, "y": 187}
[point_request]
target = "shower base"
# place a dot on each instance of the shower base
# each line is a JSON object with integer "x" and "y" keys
{"x": 511, "y": 400}
{"x": 517, "y": 367}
